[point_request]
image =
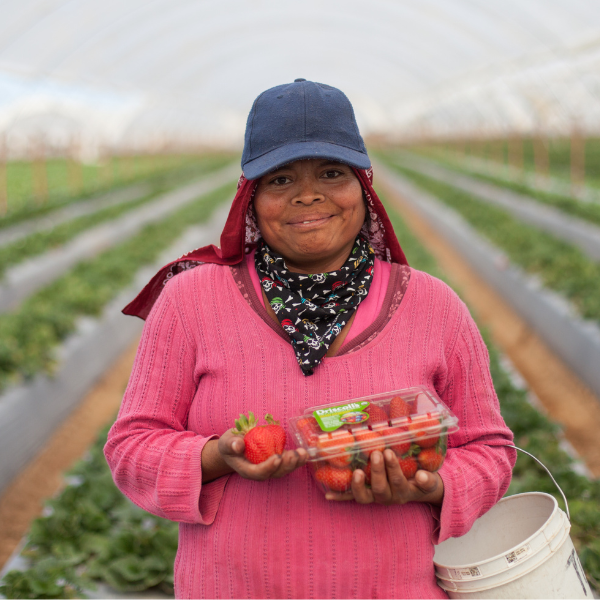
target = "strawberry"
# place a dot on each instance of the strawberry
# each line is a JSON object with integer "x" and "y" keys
{"x": 336, "y": 443}
{"x": 399, "y": 447}
{"x": 337, "y": 480}
{"x": 399, "y": 408}
{"x": 409, "y": 466}
{"x": 426, "y": 433}
{"x": 430, "y": 459}
{"x": 277, "y": 432}
{"x": 376, "y": 414}
{"x": 368, "y": 441}
{"x": 309, "y": 429}
{"x": 367, "y": 470}
{"x": 261, "y": 441}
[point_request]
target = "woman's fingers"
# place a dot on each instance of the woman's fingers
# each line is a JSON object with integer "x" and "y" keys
{"x": 430, "y": 486}
{"x": 290, "y": 461}
{"x": 361, "y": 493}
{"x": 399, "y": 485}
{"x": 380, "y": 486}
{"x": 232, "y": 447}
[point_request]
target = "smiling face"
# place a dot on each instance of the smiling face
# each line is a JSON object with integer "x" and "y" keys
{"x": 310, "y": 212}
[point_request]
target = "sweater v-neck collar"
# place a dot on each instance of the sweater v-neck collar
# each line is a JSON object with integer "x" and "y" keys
{"x": 399, "y": 277}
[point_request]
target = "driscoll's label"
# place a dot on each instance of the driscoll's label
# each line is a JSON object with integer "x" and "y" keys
{"x": 332, "y": 418}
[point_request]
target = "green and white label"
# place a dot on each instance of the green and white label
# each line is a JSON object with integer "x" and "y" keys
{"x": 332, "y": 418}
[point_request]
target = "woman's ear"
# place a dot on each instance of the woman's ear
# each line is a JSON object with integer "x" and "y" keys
{"x": 367, "y": 211}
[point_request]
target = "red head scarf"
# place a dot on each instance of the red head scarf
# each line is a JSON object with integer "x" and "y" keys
{"x": 241, "y": 233}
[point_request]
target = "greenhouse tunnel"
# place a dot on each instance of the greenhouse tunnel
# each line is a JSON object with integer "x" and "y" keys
{"x": 121, "y": 129}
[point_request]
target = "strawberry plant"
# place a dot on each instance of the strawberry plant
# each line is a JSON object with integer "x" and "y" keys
{"x": 93, "y": 533}
{"x": 533, "y": 432}
{"x": 167, "y": 171}
{"x": 561, "y": 267}
{"x": 42, "y": 241}
{"x": 30, "y": 335}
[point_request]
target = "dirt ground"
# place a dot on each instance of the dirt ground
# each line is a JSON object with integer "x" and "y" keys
{"x": 567, "y": 400}
{"x": 42, "y": 478}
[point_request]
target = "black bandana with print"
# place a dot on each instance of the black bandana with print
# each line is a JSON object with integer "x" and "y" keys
{"x": 313, "y": 309}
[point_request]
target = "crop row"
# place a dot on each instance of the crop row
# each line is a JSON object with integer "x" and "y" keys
{"x": 590, "y": 211}
{"x": 30, "y": 335}
{"x": 533, "y": 432}
{"x": 93, "y": 534}
{"x": 523, "y": 151}
{"x": 42, "y": 241}
{"x": 23, "y": 205}
{"x": 560, "y": 266}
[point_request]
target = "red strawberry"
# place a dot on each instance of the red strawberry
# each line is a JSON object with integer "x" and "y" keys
{"x": 367, "y": 470}
{"x": 277, "y": 432}
{"x": 426, "y": 433}
{"x": 368, "y": 441}
{"x": 399, "y": 447}
{"x": 430, "y": 459}
{"x": 261, "y": 441}
{"x": 376, "y": 414}
{"x": 399, "y": 408}
{"x": 336, "y": 443}
{"x": 309, "y": 429}
{"x": 337, "y": 480}
{"x": 409, "y": 466}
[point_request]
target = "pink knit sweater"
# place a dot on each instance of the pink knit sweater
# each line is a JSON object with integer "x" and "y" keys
{"x": 208, "y": 353}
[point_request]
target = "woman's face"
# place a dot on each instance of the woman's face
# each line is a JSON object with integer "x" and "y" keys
{"x": 310, "y": 212}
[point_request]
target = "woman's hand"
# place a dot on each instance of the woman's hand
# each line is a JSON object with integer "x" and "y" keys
{"x": 390, "y": 486}
{"x": 226, "y": 455}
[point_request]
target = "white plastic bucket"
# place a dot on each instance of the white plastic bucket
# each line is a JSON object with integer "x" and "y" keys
{"x": 519, "y": 549}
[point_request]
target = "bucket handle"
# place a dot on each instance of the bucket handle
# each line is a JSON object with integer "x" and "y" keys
{"x": 547, "y": 471}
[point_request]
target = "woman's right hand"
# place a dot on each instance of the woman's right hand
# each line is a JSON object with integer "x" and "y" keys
{"x": 229, "y": 451}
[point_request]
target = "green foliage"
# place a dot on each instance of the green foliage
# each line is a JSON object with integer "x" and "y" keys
{"x": 93, "y": 533}
{"x": 533, "y": 432}
{"x": 588, "y": 211}
{"x": 30, "y": 335}
{"x": 559, "y": 155}
{"x": 43, "y": 241}
{"x": 560, "y": 266}
{"x": 161, "y": 172}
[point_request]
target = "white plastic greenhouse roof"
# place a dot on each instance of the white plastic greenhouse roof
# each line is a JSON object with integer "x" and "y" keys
{"x": 191, "y": 68}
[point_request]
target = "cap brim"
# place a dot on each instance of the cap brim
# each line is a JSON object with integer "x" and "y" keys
{"x": 301, "y": 150}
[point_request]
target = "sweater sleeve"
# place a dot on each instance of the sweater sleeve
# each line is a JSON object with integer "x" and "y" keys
{"x": 478, "y": 467}
{"x": 154, "y": 459}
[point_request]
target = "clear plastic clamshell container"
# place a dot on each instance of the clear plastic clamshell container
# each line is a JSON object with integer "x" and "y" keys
{"x": 339, "y": 438}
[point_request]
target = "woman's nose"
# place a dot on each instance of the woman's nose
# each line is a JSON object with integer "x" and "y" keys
{"x": 308, "y": 192}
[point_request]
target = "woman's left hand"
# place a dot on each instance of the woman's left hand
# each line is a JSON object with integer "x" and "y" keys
{"x": 390, "y": 486}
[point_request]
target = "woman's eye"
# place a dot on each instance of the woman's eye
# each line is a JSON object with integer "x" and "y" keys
{"x": 280, "y": 180}
{"x": 332, "y": 174}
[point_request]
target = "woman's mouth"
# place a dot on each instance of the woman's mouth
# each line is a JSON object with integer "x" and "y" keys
{"x": 310, "y": 221}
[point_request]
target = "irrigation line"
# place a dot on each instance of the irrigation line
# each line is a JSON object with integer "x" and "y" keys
{"x": 31, "y": 412}
{"x": 572, "y": 230}
{"x": 14, "y": 233}
{"x": 574, "y": 340}
{"x": 27, "y": 277}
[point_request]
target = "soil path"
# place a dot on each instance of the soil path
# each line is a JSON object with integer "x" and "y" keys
{"x": 567, "y": 400}
{"x": 43, "y": 477}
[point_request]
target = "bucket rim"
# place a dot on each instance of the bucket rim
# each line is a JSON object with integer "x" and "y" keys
{"x": 516, "y": 546}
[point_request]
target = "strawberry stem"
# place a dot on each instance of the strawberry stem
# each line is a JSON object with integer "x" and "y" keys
{"x": 244, "y": 424}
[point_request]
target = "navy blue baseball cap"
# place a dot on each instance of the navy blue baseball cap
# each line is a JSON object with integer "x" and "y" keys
{"x": 300, "y": 120}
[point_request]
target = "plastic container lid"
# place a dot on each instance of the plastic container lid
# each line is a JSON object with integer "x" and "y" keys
{"x": 401, "y": 417}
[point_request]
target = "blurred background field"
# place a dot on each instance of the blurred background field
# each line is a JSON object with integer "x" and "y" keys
{"x": 121, "y": 125}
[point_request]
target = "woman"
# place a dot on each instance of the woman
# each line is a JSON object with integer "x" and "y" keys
{"x": 308, "y": 301}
